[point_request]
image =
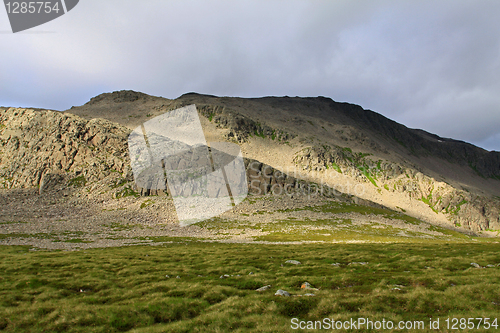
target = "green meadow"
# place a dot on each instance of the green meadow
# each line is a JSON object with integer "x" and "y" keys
{"x": 194, "y": 286}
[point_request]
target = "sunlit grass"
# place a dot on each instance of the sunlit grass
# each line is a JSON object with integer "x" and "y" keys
{"x": 127, "y": 288}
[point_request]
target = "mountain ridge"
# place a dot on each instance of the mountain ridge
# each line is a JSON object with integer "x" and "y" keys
{"x": 466, "y": 170}
{"x": 314, "y": 138}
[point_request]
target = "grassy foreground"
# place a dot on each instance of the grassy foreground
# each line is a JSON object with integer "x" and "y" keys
{"x": 127, "y": 289}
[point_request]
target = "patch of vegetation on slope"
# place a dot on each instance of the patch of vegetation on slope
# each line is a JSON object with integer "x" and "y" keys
{"x": 333, "y": 222}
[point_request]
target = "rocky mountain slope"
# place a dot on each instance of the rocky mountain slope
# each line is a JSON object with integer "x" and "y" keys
{"x": 54, "y": 150}
{"x": 343, "y": 146}
{"x": 356, "y": 155}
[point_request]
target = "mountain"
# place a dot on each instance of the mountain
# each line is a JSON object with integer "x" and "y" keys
{"x": 427, "y": 176}
{"x": 358, "y": 155}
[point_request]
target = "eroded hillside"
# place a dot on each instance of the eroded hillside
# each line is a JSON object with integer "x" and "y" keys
{"x": 343, "y": 146}
{"x": 336, "y": 151}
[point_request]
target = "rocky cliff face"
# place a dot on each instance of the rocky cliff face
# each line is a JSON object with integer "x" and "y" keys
{"x": 37, "y": 145}
{"x": 54, "y": 150}
{"x": 462, "y": 208}
{"x": 34, "y": 144}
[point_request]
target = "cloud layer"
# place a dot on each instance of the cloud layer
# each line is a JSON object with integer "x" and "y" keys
{"x": 426, "y": 64}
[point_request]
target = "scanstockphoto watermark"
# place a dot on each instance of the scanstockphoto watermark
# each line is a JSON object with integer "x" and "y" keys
{"x": 404, "y": 325}
{"x": 359, "y": 324}
{"x": 171, "y": 150}
{"x": 25, "y": 15}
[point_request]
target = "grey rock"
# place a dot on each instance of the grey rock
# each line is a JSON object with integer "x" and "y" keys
{"x": 281, "y": 292}
{"x": 264, "y": 288}
{"x": 475, "y": 265}
{"x": 293, "y": 262}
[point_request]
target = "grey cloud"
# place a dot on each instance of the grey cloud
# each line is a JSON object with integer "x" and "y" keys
{"x": 431, "y": 65}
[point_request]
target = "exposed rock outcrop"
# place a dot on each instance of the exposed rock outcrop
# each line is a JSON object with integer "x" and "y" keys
{"x": 53, "y": 150}
{"x": 34, "y": 144}
{"x": 240, "y": 126}
{"x": 462, "y": 208}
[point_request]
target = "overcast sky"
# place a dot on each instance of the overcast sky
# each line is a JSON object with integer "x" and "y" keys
{"x": 433, "y": 65}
